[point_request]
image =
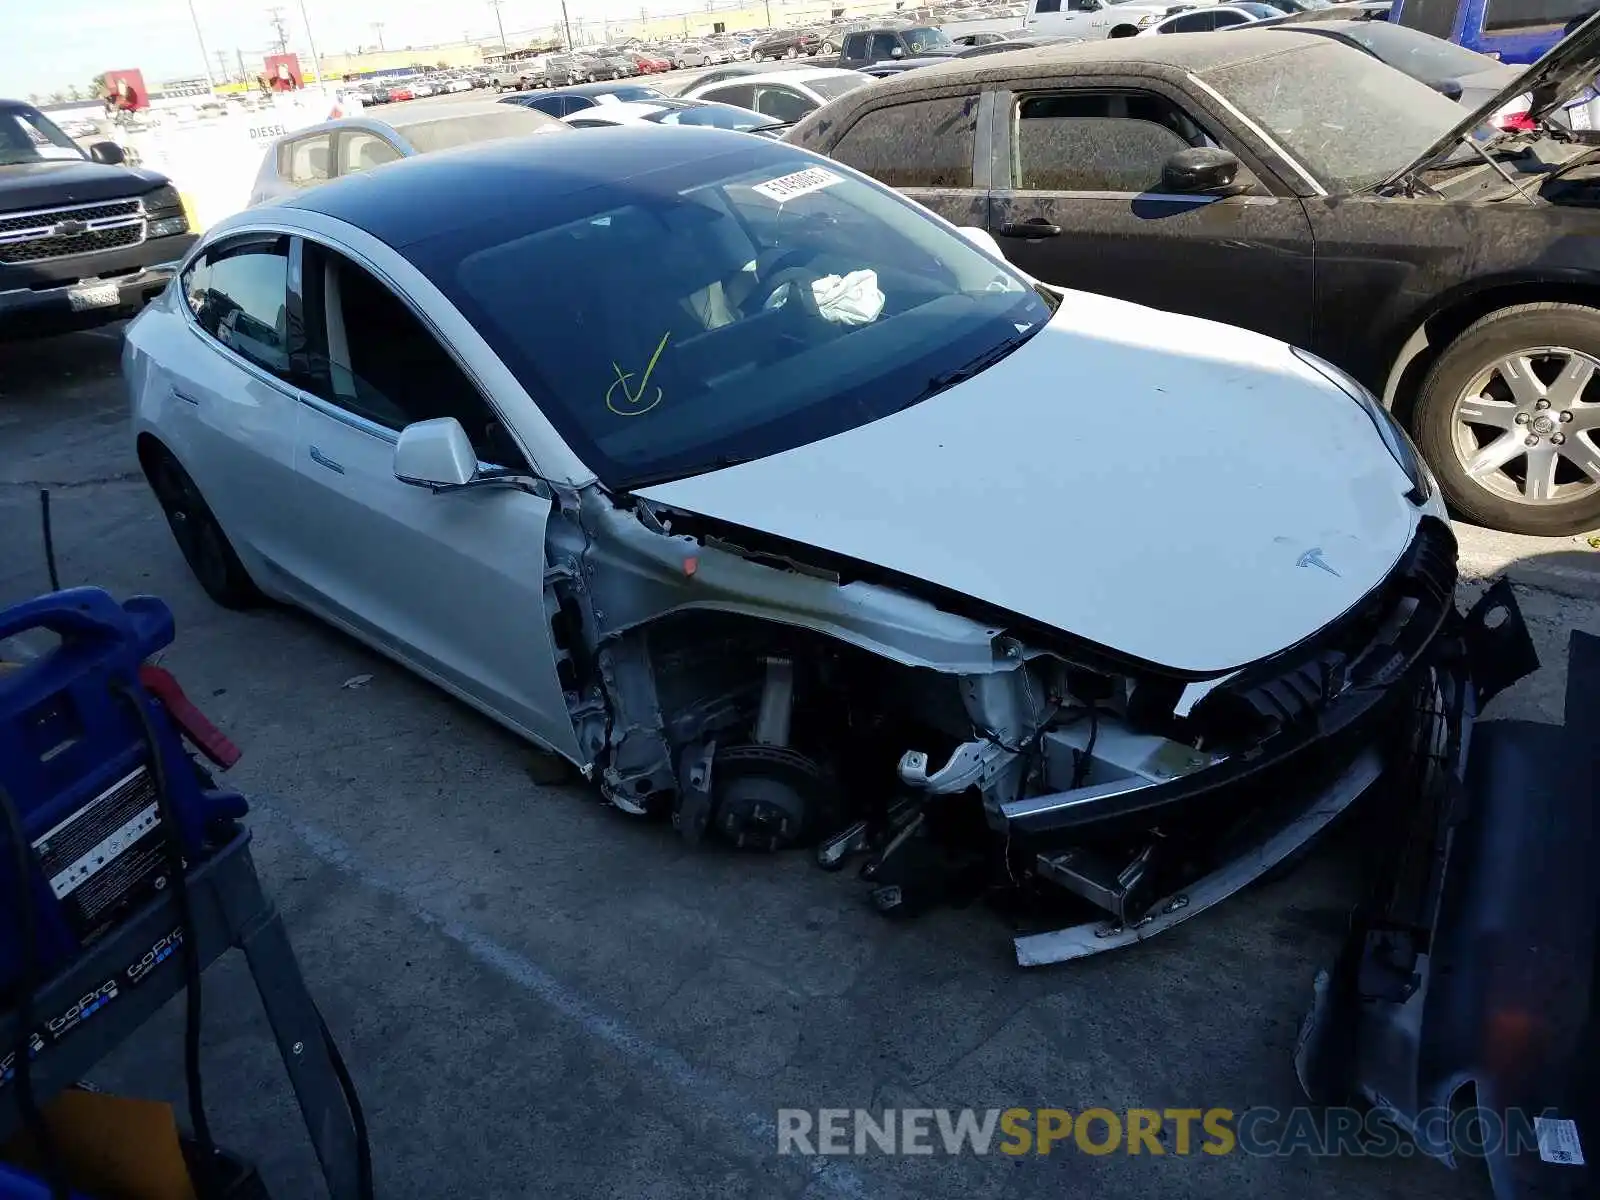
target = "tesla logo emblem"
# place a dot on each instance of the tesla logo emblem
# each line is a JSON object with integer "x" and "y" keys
{"x": 69, "y": 228}
{"x": 1313, "y": 558}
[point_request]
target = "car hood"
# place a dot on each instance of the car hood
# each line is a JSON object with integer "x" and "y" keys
{"x": 1570, "y": 66}
{"x": 1181, "y": 492}
{"x": 70, "y": 181}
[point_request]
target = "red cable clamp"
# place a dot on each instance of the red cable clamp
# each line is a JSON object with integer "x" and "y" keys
{"x": 193, "y": 723}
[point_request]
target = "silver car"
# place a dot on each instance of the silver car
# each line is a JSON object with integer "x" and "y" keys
{"x": 313, "y": 156}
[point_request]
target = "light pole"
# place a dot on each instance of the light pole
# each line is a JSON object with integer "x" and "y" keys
{"x": 205, "y": 56}
{"x": 565, "y": 24}
{"x": 316, "y": 59}
{"x": 499, "y": 23}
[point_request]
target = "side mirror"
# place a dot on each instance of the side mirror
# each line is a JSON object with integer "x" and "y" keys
{"x": 109, "y": 153}
{"x": 435, "y": 454}
{"x": 897, "y": 53}
{"x": 1201, "y": 171}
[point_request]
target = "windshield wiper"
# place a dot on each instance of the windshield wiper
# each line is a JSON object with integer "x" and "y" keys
{"x": 677, "y": 473}
{"x": 967, "y": 370}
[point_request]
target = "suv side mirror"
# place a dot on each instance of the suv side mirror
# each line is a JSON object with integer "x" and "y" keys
{"x": 435, "y": 454}
{"x": 1202, "y": 171}
{"x": 109, "y": 153}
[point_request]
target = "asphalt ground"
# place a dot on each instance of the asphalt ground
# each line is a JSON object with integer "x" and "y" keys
{"x": 540, "y": 996}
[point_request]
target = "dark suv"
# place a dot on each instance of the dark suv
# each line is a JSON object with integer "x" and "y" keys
{"x": 84, "y": 240}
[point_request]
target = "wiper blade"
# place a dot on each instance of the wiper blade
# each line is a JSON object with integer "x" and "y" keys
{"x": 677, "y": 473}
{"x": 967, "y": 370}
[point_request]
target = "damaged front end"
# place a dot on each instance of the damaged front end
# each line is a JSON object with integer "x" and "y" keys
{"x": 773, "y": 695}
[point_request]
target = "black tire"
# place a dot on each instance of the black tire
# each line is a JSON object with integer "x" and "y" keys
{"x": 204, "y": 546}
{"x": 1502, "y": 333}
{"x": 1122, "y": 31}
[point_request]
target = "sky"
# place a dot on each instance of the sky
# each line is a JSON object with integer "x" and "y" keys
{"x": 50, "y": 45}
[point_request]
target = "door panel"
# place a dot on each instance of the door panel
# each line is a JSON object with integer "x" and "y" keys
{"x": 1083, "y": 169}
{"x": 927, "y": 150}
{"x": 451, "y": 583}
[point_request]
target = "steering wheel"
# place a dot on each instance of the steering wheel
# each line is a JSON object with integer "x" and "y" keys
{"x": 801, "y": 299}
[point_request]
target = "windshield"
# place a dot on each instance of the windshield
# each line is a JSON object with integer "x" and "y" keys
{"x": 718, "y": 116}
{"x": 724, "y": 308}
{"x": 631, "y": 92}
{"x": 925, "y": 38}
{"x": 27, "y": 135}
{"x": 1420, "y": 55}
{"x": 831, "y": 87}
{"x": 1347, "y": 118}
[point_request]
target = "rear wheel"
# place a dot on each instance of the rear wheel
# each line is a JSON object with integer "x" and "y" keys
{"x": 1122, "y": 31}
{"x": 791, "y": 52}
{"x": 204, "y": 546}
{"x": 1509, "y": 419}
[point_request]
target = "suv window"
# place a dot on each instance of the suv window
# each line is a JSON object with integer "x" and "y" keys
{"x": 781, "y": 104}
{"x": 925, "y": 144}
{"x": 1515, "y": 16}
{"x": 1098, "y": 143}
{"x": 1047, "y": 6}
{"x": 1200, "y": 22}
{"x": 238, "y": 295}
{"x": 361, "y": 151}
{"x": 884, "y": 45}
{"x": 310, "y": 160}
{"x": 369, "y": 354}
{"x": 855, "y": 45}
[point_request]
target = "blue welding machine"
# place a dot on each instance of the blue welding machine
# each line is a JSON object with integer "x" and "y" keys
{"x": 77, "y": 760}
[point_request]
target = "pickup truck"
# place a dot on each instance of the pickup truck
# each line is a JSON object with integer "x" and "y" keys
{"x": 863, "y": 47}
{"x": 84, "y": 239}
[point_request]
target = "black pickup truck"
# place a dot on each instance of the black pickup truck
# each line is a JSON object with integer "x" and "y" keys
{"x": 84, "y": 239}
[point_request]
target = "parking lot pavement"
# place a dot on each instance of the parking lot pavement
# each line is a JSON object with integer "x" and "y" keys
{"x": 538, "y": 995}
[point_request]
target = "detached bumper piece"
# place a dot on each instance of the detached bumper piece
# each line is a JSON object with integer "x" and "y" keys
{"x": 1313, "y": 730}
{"x": 1463, "y": 1005}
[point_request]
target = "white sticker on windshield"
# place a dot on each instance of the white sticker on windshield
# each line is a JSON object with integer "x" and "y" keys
{"x": 801, "y": 183}
{"x": 1558, "y": 1141}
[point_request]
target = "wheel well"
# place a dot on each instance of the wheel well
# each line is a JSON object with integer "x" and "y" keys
{"x": 1124, "y": 31}
{"x": 149, "y": 448}
{"x": 1412, "y": 364}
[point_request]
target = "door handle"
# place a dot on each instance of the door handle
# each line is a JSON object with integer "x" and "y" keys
{"x": 322, "y": 460}
{"x": 1030, "y": 229}
{"x": 185, "y": 397}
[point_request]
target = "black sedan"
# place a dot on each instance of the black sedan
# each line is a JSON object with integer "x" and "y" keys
{"x": 788, "y": 43}
{"x": 1295, "y": 185}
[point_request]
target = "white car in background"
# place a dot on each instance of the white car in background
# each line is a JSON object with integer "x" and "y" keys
{"x": 1089, "y": 19}
{"x": 1209, "y": 17}
{"x": 782, "y": 95}
{"x": 780, "y": 506}
{"x": 672, "y": 110}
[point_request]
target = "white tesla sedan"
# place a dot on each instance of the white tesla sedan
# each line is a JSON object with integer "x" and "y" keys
{"x": 776, "y": 504}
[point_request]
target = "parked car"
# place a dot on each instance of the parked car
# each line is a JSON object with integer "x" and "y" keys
{"x": 1020, "y": 42}
{"x": 985, "y": 37}
{"x": 563, "y": 102}
{"x": 711, "y": 516}
{"x": 1331, "y": 203}
{"x": 782, "y": 95}
{"x": 650, "y": 64}
{"x": 1451, "y": 70}
{"x": 867, "y": 46}
{"x": 1093, "y": 19}
{"x": 614, "y": 66}
{"x": 790, "y": 43}
{"x": 311, "y": 157}
{"x": 401, "y": 91}
{"x": 674, "y": 111}
{"x": 1511, "y": 31}
{"x": 746, "y": 69}
{"x": 84, "y": 238}
{"x": 1212, "y": 17}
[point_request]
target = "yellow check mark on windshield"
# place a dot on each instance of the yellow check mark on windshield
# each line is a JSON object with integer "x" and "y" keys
{"x": 633, "y": 402}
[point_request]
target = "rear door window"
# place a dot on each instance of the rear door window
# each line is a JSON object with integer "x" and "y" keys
{"x": 884, "y": 45}
{"x": 781, "y": 103}
{"x": 927, "y": 144}
{"x": 311, "y": 160}
{"x": 361, "y": 151}
{"x": 239, "y": 295}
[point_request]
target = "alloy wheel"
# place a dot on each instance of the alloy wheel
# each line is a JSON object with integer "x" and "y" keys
{"x": 1526, "y": 426}
{"x": 193, "y": 527}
